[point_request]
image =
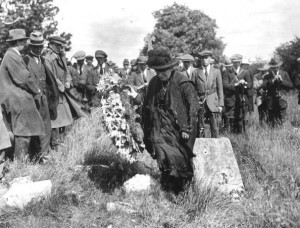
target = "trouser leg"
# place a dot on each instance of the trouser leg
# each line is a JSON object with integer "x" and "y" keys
{"x": 214, "y": 128}
{"x": 21, "y": 147}
{"x": 55, "y": 138}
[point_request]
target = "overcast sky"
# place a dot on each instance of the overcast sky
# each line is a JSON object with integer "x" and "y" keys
{"x": 252, "y": 28}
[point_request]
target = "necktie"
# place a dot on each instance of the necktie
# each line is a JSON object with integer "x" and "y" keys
{"x": 101, "y": 70}
{"x": 80, "y": 70}
{"x": 206, "y": 74}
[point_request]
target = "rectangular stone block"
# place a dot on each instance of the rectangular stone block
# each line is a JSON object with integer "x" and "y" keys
{"x": 215, "y": 165}
{"x": 4, "y": 136}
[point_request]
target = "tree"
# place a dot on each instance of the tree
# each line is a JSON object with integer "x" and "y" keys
{"x": 183, "y": 30}
{"x": 288, "y": 53}
{"x": 29, "y": 15}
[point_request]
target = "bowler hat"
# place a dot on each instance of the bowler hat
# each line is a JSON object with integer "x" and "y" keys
{"x": 36, "y": 39}
{"x": 100, "y": 54}
{"x": 126, "y": 62}
{"x": 274, "y": 63}
{"x": 16, "y": 34}
{"x": 57, "y": 39}
{"x": 236, "y": 58}
{"x": 141, "y": 59}
{"x": 160, "y": 59}
{"x": 89, "y": 57}
{"x": 133, "y": 62}
{"x": 264, "y": 67}
{"x": 186, "y": 58}
{"x": 79, "y": 55}
{"x": 228, "y": 62}
{"x": 205, "y": 53}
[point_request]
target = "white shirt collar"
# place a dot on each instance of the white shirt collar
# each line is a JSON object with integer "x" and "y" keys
{"x": 16, "y": 50}
{"x": 207, "y": 68}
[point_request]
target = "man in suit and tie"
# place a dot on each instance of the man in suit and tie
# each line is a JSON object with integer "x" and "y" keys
{"x": 48, "y": 100}
{"x": 93, "y": 78}
{"x": 188, "y": 68}
{"x": 208, "y": 83}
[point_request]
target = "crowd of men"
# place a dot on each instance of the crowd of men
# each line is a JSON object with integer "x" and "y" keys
{"x": 41, "y": 94}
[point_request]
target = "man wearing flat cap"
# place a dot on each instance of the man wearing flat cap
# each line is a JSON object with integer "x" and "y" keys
{"x": 187, "y": 61}
{"x": 79, "y": 74}
{"x": 144, "y": 74}
{"x": 277, "y": 84}
{"x": 89, "y": 61}
{"x": 18, "y": 91}
{"x": 56, "y": 62}
{"x": 209, "y": 87}
{"x": 169, "y": 119}
{"x": 242, "y": 86}
{"x": 93, "y": 78}
{"x": 47, "y": 101}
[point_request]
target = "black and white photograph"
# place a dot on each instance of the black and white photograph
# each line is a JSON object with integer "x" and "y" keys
{"x": 149, "y": 114}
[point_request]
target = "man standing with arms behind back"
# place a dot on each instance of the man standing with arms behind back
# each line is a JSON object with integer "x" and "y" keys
{"x": 209, "y": 87}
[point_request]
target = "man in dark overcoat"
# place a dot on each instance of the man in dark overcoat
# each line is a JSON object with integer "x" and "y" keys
{"x": 229, "y": 80}
{"x": 17, "y": 95}
{"x": 56, "y": 62}
{"x": 277, "y": 84}
{"x": 48, "y": 99}
{"x": 208, "y": 84}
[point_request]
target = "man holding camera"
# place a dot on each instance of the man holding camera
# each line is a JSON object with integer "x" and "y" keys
{"x": 276, "y": 83}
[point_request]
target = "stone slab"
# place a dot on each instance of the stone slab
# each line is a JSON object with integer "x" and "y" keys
{"x": 20, "y": 194}
{"x": 215, "y": 165}
{"x": 4, "y": 135}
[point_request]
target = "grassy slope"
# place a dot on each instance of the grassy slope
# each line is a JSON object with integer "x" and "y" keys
{"x": 87, "y": 174}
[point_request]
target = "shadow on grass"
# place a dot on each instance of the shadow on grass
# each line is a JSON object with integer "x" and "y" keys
{"x": 108, "y": 170}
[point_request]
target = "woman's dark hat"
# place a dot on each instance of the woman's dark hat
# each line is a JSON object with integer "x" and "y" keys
{"x": 160, "y": 59}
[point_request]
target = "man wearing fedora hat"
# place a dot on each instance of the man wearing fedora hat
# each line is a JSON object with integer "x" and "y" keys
{"x": 187, "y": 61}
{"x": 209, "y": 87}
{"x": 277, "y": 84}
{"x": 17, "y": 92}
{"x": 48, "y": 99}
{"x": 56, "y": 62}
{"x": 93, "y": 78}
{"x": 260, "y": 93}
{"x": 169, "y": 119}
